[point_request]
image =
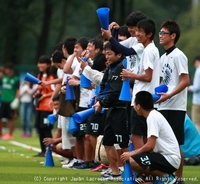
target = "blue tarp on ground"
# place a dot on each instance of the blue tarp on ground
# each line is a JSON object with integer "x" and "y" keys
{"x": 191, "y": 145}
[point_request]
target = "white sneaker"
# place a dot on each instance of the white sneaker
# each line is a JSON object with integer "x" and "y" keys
{"x": 65, "y": 162}
{"x": 107, "y": 171}
{"x": 70, "y": 163}
{"x": 111, "y": 178}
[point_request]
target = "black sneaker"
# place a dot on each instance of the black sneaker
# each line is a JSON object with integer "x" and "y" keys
{"x": 94, "y": 164}
{"x": 83, "y": 165}
{"x": 141, "y": 178}
{"x": 76, "y": 164}
{"x": 41, "y": 154}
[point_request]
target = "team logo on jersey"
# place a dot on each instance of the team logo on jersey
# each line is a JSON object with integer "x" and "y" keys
{"x": 167, "y": 73}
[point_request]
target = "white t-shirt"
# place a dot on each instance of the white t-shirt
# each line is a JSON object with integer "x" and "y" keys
{"x": 84, "y": 93}
{"x": 74, "y": 63}
{"x": 93, "y": 75}
{"x": 172, "y": 66}
{"x": 149, "y": 59}
{"x": 166, "y": 142}
{"x": 133, "y": 60}
{"x": 129, "y": 42}
{"x": 26, "y": 97}
{"x": 60, "y": 73}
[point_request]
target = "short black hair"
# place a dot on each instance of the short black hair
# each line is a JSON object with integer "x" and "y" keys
{"x": 44, "y": 59}
{"x": 98, "y": 44}
{"x": 173, "y": 27}
{"x": 83, "y": 42}
{"x": 134, "y": 18}
{"x": 144, "y": 99}
{"x": 56, "y": 98}
{"x": 108, "y": 45}
{"x": 69, "y": 44}
{"x": 9, "y": 65}
{"x": 123, "y": 31}
{"x": 58, "y": 47}
{"x": 99, "y": 62}
{"x": 148, "y": 26}
{"x": 197, "y": 58}
{"x": 58, "y": 56}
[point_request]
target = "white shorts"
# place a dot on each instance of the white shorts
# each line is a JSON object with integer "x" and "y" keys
{"x": 68, "y": 141}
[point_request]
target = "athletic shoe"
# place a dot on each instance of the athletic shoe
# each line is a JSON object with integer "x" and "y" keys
{"x": 7, "y": 137}
{"x": 70, "y": 164}
{"x": 94, "y": 164}
{"x": 106, "y": 173}
{"x": 83, "y": 165}
{"x": 170, "y": 179}
{"x": 65, "y": 161}
{"x": 39, "y": 155}
{"x": 142, "y": 178}
{"x": 113, "y": 178}
{"x": 26, "y": 135}
{"x": 101, "y": 167}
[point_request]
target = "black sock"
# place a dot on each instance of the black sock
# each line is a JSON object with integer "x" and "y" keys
{"x": 116, "y": 175}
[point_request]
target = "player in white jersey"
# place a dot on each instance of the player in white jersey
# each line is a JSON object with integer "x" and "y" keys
{"x": 174, "y": 71}
{"x": 158, "y": 157}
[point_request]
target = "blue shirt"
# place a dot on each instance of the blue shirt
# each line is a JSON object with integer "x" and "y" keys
{"x": 195, "y": 88}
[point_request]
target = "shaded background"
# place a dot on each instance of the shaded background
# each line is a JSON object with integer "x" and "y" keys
{"x": 30, "y": 28}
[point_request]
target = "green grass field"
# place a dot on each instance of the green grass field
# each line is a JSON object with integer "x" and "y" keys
{"x": 17, "y": 165}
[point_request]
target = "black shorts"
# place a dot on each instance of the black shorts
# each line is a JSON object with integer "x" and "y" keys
{"x": 81, "y": 126}
{"x": 6, "y": 111}
{"x": 116, "y": 128}
{"x": 41, "y": 120}
{"x": 176, "y": 120}
{"x": 155, "y": 161}
{"x": 94, "y": 124}
{"x": 138, "y": 124}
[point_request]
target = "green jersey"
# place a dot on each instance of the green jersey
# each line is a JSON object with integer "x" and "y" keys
{"x": 9, "y": 87}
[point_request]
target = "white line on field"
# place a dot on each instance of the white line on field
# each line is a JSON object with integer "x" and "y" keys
{"x": 28, "y": 147}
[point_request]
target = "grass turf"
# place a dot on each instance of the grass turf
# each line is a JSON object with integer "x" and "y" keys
{"x": 17, "y": 165}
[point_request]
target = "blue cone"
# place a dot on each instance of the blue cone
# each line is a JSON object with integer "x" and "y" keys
{"x": 128, "y": 175}
{"x": 91, "y": 102}
{"x": 32, "y": 79}
{"x": 163, "y": 88}
{"x": 69, "y": 92}
{"x": 49, "y": 158}
{"x": 73, "y": 126}
{"x": 82, "y": 115}
{"x": 97, "y": 90}
{"x": 155, "y": 97}
{"x": 103, "y": 14}
{"x": 124, "y": 62}
{"x": 125, "y": 94}
{"x": 52, "y": 118}
{"x": 85, "y": 82}
{"x": 131, "y": 147}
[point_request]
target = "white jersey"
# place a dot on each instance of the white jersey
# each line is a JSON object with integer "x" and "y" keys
{"x": 60, "y": 73}
{"x": 93, "y": 75}
{"x": 129, "y": 42}
{"x": 133, "y": 60}
{"x": 149, "y": 59}
{"x": 166, "y": 142}
{"x": 84, "y": 93}
{"x": 172, "y": 66}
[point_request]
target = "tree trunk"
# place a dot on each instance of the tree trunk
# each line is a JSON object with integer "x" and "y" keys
{"x": 63, "y": 19}
{"x": 43, "y": 38}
